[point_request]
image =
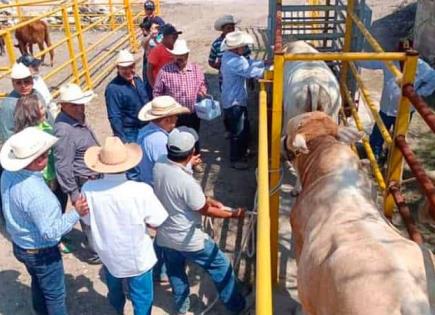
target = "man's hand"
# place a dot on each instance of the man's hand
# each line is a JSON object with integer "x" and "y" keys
{"x": 238, "y": 213}
{"x": 196, "y": 160}
{"x": 214, "y": 203}
{"x": 81, "y": 206}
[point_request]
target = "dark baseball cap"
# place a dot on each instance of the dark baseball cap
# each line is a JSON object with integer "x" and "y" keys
{"x": 169, "y": 29}
{"x": 29, "y": 60}
{"x": 149, "y": 5}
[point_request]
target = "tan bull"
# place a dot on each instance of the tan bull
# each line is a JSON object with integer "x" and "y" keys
{"x": 351, "y": 260}
{"x": 34, "y": 33}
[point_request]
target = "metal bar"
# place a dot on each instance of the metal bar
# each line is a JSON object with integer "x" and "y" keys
{"x": 112, "y": 16}
{"x": 348, "y": 56}
{"x": 375, "y": 45}
{"x": 420, "y": 105}
{"x": 290, "y": 8}
{"x": 418, "y": 171}
{"x": 70, "y": 45}
{"x": 405, "y": 213}
{"x": 130, "y": 26}
{"x": 371, "y": 106}
{"x": 278, "y": 28}
{"x": 263, "y": 289}
{"x": 395, "y": 157}
{"x": 10, "y": 50}
{"x": 25, "y": 3}
{"x": 278, "y": 81}
{"x": 308, "y": 37}
{"x": 370, "y": 155}
{"x": 347, "y": 42}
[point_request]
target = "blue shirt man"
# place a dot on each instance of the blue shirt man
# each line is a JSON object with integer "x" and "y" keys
{"x": 34, "y": 217}
{"x": 125, "y": 95}
{"x": 235, "y": 70}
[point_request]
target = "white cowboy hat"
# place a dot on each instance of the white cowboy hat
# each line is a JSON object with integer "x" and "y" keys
{"x": 20, "y": 71}
{"x": 24, "y": 147}
{"x": 72, "y": 93}
{"x": 161, "y": 106}
{"x": 224, "y": 20}
{"x": 125, "y": 58}
{"x": 236, "y": 39}
{"x": 113, "y": 157}
{"x": 180, "y": 48}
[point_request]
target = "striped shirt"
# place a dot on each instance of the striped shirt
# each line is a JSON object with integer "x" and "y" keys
{"x": 32, "y": 212}
{"x": 183, "y": 85}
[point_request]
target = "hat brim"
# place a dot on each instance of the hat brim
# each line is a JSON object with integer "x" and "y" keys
{"x": 246, "y": 41}
{"x": 11, "y": 163}
{"x": 83, "y": 100}
{"x": 178, "y": 53}
{"x": 125, "y": 63}
{"x": 220, "y": 24}
{"x": 145, "y": 114}
{"x": 92, "y": 161}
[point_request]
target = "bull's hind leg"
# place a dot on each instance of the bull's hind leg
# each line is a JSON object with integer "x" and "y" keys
{"x": 41, "y": 48}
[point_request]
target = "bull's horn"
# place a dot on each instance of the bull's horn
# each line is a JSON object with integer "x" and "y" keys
{"x": 299, "y": 144}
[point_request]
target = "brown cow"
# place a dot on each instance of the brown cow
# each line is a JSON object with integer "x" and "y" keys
{"x": 34, "y": 33}
{"x": 351, "y": 260}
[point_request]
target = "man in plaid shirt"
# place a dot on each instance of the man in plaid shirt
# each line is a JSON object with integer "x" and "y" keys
{"x": 185, "y": 82}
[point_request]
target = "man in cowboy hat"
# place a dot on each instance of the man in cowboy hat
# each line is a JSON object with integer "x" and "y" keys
{"x": 224, "y": 24}
{"x": 180, "y": 236}
{"x": 234, "y": 98}
{"x": 185, "y": 82}
{"x": 125, "y": 96}
{"x": 159, "y": 55}
{"x": 34, "y": 218}
{"x": 75, "y": 137}
{"x": 120, "y": 211}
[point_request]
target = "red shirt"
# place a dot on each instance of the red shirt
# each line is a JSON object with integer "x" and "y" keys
{"x": 158, "y": 57}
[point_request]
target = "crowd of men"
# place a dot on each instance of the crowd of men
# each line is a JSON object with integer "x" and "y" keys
{"x": 137, "y": 180}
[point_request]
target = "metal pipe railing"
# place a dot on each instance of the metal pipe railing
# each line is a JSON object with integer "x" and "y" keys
{"x": 348, "y": 56}
{"x": 420, "y": 105}
{"x": 417, "y": 169}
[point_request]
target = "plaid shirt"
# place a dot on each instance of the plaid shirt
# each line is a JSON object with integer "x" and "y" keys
{"x": 183, "y": 85}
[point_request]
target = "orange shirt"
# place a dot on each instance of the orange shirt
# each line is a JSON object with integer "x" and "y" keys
{"x": 158, "y": 57}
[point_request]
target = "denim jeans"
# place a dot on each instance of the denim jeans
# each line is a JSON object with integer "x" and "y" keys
{"x": 140, "y": 289}
{"x": 376, "y": 139}
{"x": 159, "y": 270}
{"x": 215, "y": 263}
{"x": 48, "y": 279}
{"x": 237, "y": 124}
{"x": 191, "y": 121}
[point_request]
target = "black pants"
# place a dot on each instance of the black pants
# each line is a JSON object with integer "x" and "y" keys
{"x": 191, "y": 121}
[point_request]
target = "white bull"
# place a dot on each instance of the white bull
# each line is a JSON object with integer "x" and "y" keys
{"x": 351, "y": 260}
{"x": 309, "y": 85}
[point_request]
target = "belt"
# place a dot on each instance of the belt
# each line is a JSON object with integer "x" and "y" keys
{"x": 35, "y": 251}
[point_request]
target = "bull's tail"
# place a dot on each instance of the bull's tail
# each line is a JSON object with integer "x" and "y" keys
{"x": 48, "y": 43}
{"x": 318, "y": 98}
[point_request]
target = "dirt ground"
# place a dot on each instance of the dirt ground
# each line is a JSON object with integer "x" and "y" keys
{"x": 86, "y": 290}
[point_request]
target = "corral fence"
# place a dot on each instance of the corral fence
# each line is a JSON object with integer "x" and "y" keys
{"x": 89, "y": 32}
{"x": 339, "y": 31}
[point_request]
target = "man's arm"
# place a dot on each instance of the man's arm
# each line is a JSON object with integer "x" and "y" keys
{"x": 113, "y": 104}
{"x": 202, "y": 91}
{"x": 241, "y": 67}
{"x": 150, "y": 78}
{"x": 213, "y": 60}
{"x": 64, "y": 153}
{"x": 159, "y": 84}
{"x": 154, "y": 212}
{"x": 215, "y": 209}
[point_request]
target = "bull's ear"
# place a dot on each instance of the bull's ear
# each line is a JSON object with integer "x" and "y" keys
{"x": 299, "y": 144}
{"x": 349, "y": 135}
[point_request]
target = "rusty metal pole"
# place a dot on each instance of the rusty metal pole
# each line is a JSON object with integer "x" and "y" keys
{"x": 420, "y": 105}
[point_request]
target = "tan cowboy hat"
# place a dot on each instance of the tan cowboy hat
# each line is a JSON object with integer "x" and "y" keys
{"x": 73, "y": 94}
{"x": 113, "y": 157}
{"x": 236, "y": 39}
{"x": 224, "y": 20}
{"x": 161, "y": 106}
{"x": 24, "y": 147}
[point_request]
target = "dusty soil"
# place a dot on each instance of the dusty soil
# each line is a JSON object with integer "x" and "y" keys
{"x": 86, "y": 290}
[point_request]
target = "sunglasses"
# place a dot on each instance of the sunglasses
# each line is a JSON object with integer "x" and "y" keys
{"x": 27, "y": 81}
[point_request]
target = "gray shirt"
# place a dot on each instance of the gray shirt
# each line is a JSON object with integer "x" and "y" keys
{"x": 74, "y": 139}
{"x": 182, "y": 198}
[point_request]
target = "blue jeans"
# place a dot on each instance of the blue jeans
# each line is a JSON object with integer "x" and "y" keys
{"x": 159, "y": 270}
{"x": 48, "y": 279}
{"x": 140, "y": 289}
{"x": 217, "y": 265}
{"x": 237, "y": 124}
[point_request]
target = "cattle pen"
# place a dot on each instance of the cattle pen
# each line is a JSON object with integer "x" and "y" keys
{"x": 338, "y": 30}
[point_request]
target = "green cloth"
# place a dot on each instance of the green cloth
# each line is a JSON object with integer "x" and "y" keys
{"x": 49, "y": 172}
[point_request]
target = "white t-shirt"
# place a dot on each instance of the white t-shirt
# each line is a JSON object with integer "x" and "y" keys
{"x": 182, "y": 197}
{"x": 119, "y": 210}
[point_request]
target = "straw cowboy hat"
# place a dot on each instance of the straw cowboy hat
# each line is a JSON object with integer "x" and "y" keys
{"x": 72, "y": 93}
{"x": 20, "y": 71}
{"x": 161, "y": 106}
{"x": 24, "y": 147}
{"x": 180, "y": 48}
{"x": 224, "y": 20}
{"x": 125, "y": 58}
{"x": 236, "y": 39}
{"x": 113, "y": 157}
